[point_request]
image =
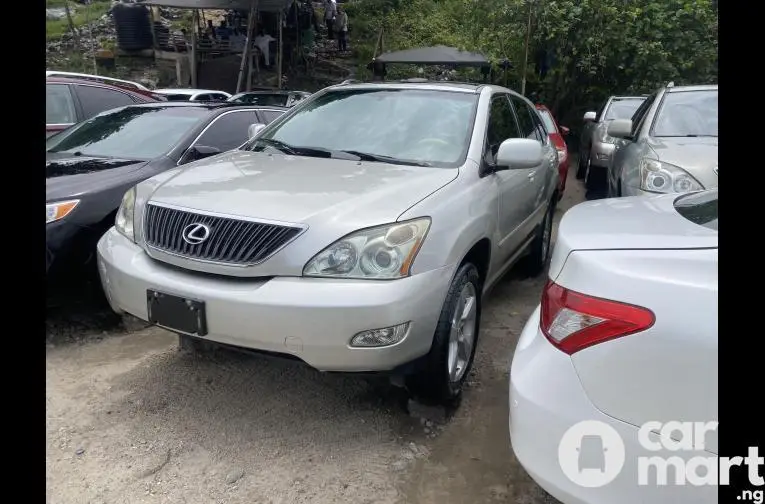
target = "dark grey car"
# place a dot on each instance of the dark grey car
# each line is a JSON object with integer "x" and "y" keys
{"x": 91, "y": 165}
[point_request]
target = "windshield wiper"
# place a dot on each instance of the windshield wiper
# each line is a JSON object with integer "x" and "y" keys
{"x": 278, "y": 144}
{"x": 365, "y": 156}
{"x": 296, "y": 150}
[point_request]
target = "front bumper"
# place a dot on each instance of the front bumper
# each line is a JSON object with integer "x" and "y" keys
{"x": 636, "y": 191}
{"x": 601, "y": 153}
{"x": 67, "y": 246}
{"x": 547, "y": 399}
{"x": 313, "y": 319}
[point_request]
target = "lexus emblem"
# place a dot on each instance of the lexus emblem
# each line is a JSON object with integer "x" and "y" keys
{"x": 196, "y": 233}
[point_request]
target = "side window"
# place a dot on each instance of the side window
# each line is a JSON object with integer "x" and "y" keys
{"x": 217, "y": 96}
{"x": 501, "y": 126}
{"x": 201, "y": 97}
{"x": 541, "y": 131}
{"x": 526, "y": 119}
{"x": 270, "y": 115}
{"x": 229, "y": 130}
{"x": 639, "y": 116}
{"x": 59, "y": 105}
{"x": 95, "y": 100}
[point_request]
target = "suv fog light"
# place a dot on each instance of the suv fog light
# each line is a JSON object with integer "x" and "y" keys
{"x": 380, "y": 337}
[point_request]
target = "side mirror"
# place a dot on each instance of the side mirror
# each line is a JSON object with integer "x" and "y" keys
{"x": 620, "y": 128}
{"x": 199, "y": 152}
{"x": 564, "y": 131}
{"x": 590, "y": 116}
{"x": 254, "y": 129}
{"x": 518, "y": 153}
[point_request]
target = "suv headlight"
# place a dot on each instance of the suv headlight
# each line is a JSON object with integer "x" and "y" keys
{"x": 659, "y": 177}
{"x": 124, "y": 221}
{"x": 59, "y": 210}
{"x": 379, "y": 253}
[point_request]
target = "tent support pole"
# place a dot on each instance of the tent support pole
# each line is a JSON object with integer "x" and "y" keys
{"x": 247, "y": 47}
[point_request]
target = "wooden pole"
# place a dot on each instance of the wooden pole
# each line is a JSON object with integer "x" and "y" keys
{"x": 280, "y": 55}
{"x": 247, "y": 45}
{"x": 526, "y": 53}
{"x": 193, "y": 52}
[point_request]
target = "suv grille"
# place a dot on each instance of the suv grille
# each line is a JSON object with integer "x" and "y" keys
{"x": 229, "y": 241}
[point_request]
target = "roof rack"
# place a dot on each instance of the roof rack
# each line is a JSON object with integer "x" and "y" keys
{"x": 97, "y": 78}
{"x": 349, "y": 81}
{"x": 671, "y": 84}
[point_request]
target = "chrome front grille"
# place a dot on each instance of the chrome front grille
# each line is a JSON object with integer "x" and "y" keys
{"x": 230, "y": 240}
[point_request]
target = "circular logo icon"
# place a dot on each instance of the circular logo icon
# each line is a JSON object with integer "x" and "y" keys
{"x": 196, "y": 233}
{"x": 591, "y": 454}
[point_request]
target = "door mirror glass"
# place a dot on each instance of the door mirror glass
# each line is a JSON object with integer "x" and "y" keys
{"x": 589, "y": 116}
{"x": 620, "y": 128}
{"x": 518, "y": 153}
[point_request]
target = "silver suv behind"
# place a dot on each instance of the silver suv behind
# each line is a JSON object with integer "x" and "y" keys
{"x": 669, "y": 145}
{"x": 597, "y": 146}
{"x": 359, "y": 232}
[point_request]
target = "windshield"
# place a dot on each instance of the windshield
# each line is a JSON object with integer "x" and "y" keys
{"x": 687, "y": 114}
{"x": 548, "y": 120}
{"x": 279, "y": 100}
{"x": 130, "y": 132}
{"x": 699, "y": 208}
{"x": 394, "y": 125}
{"x": 623, "y": 109}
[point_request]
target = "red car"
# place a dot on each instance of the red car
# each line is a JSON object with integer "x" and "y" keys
{"x": 69, "y": 101}
{"x": 557, "y": 133}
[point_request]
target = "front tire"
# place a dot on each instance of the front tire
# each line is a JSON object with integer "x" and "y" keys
{"x": 448, "y": 363}
{"x": 542, "y": 244}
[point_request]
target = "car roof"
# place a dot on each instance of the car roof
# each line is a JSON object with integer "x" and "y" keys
{"x": 97, "y": 78}
{"x": 700, "y": 87}
{"x": 462, "y": 87}
{"x": 209, "y": 105}
{"x": 636, "y": 97}
{"x": 185, "y": 91}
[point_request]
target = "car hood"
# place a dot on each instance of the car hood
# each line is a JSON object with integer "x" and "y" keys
{"x": 341, "y": 193}
{"x": 69, "y": 176}
{"x": 698, "y": 156}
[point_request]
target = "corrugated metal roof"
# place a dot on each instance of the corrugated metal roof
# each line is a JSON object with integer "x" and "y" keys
{"x": 263, "y": 5}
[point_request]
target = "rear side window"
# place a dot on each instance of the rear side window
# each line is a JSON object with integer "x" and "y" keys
{"x": 59, "y": 105}
{"x": 529, "y": 121}
{"x": 699, "y": 208}
{"x": 95, "y": 100}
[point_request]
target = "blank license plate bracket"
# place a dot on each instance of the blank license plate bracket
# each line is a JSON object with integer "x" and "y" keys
{"x": 177, "y": 313}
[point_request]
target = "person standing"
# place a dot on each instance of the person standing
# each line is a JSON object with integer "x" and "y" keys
{"x": 330, "y": 13}
{"x": 342, "y": 29}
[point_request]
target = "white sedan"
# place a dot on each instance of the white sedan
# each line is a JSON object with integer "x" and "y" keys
{"x": 613, "y": 384}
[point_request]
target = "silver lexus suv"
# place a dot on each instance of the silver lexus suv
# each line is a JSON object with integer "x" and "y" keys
{"x": 358, "y": 233}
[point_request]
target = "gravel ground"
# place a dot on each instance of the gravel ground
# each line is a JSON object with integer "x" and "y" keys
{"x": 132, "y": 420}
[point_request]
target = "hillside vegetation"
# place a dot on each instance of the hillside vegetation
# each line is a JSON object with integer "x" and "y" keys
{"x": 593, "y": 48}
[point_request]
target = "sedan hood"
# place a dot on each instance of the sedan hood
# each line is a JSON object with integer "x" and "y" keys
{"x": 698, "y": 156}
{"x": 307, "y": 190}
{"x": 641, "y": 222}
{"x": 70, "y": 176}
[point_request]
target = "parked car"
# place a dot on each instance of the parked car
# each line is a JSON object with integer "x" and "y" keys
{"x": 358, "y": 233}
{"x": 69, "y": 101}
{"x": 556, "y": 133}
{"x": 596, "y": 146}
{"x": 91, "y": 165}
{"x": 626, "y": 334}
{"x": 276, "y": 97}
{"x": 98, "y": 78}
{"x": 193, "y": 94}
{"x": 670, "y": 144}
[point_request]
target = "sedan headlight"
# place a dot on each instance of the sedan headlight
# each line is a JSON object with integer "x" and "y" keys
{"x": 379, "y": 253}
{"x": 124, "y": 221}
{"x": 59, "y": 210}
{"x": 659, "y": 177}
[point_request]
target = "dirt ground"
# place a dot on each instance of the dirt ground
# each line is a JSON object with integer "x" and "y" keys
{"x": 132, "y": 420}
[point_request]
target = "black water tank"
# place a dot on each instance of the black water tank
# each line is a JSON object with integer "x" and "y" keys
{"x": 133, "y": 26}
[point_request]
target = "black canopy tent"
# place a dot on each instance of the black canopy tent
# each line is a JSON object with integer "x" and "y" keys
{"x": 253, "y": 6}
{"x": 436, "y": 55}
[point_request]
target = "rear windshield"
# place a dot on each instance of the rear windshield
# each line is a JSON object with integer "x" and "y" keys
{"x": 699, "y": 208}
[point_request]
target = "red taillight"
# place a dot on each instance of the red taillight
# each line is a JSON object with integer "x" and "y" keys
{"x": 573, "y": 321}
